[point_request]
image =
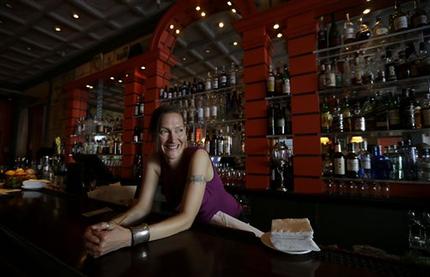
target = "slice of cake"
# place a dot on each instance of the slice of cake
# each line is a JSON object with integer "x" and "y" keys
{"x": 292, "y": 234}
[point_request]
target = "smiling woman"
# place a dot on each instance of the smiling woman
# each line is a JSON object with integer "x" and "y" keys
{"x": 193, "y": 189}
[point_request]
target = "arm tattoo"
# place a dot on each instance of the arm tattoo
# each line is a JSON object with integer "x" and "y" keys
{"x": 197, "y": 179}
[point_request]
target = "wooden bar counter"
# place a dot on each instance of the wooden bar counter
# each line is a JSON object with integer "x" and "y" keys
{"x": 41, "y": 233}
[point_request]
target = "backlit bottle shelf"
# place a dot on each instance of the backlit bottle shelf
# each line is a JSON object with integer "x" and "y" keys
{"x": 378, "y": 133}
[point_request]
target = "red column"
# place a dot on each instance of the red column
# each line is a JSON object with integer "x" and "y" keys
{"x": 304, "y": 103}
{"x": 76, "y": 107}
{"x": 133, "y": 87}
{"x": 257, "y": 57}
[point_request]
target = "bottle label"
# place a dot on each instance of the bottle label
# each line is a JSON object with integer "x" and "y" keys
{"x": 352, "y": 165}
{"x": 200, "y": 114}
{"x": 330, "y": 79}
{"x": 394, "y": 117}
{"x": 349, "y": 33}
{"x": 339, "y": 166}
{"x": 365, "y": 163}
{"x": 360, "y": 124}
{"x": 381, "y": 31}
{"x": 208, "y": 84}
{"x": 271, "y": 84}
{"x": 215, "y": 83}
{"x": 425, "y": 113}
{"x": 400, "y": 22}
{"x": 286, "y": 89}
{"x": 233, "y": 79}
{"x": 207, "y": 112}
{"x": 419, "y": 20}
{"x": 223, "y": 80}
{"x": 214, "y": 111}
{"x": 326, "y": 119}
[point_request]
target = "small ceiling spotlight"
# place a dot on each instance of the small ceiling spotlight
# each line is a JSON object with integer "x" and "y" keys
{"x": 207, "y": 51}
{"x": 126, "y": 75}
{"x": 366, "y": 11}
{"x": 233, "y": 10}
{"x": 203, "y": 14}
{"x": 8, "y": 5}
{"x": 279, "y": 35}
{"x": 89, "y": 86}
{"x": 120, "y": 81}
{"x": 75, "y": 16}
{"x": 229, "y": 3}
{"x": 235, "y": 43}
{"x": 178, "y": 31}
{"x": 221, "y": 24}
{"x": 171, "y": 27}
{"x": 276, "y": 26}
{"x": 197, "y": 8}
{"x": 143, "y": 67}
{"x": 184, "y": 59}
{"x": 112, "y": 78}
{"x": 57, "y": 29}
{"x": 28, "y": 48}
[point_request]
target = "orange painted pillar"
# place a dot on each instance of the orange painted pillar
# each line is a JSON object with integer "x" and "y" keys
{"x": 257, "y": 57}
{"x": 76, "y": 107}
{"x": 305, "y": 103}
{"x": 133, "y": 88}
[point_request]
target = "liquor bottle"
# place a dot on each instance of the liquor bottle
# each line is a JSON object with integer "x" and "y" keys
{"x": 402, "y": 67}
{"x": 278, "y": 81}
{"x": 280, "y": 120}
{"x": 214, "y": 108}
{"x": 393, "y": 112}
{"x": 141, "y": 106}
{"x": 271, "y": 119}
{"x": 137, "y": 107}
{"x": 222, "y": 78}
{"x": 397, "y": 161}
{"x": 400, "y": 19}
{"x": 358, "y": 119}
{"x": 326, "y": 117}
{"x": 425, "y": 111}
{"x": 365, "y": 161}
{"x": 208, "y": 83}
{"x": 228, "y": 141}
{"x": 381, "y": 112}
{"x": 381, "y": 165}
{"x": 407, "y": 109}
{"x": 208, "y": 142}
{"x": 419, "y": 18}
{"x": 220, "y": 143}
{"x": 330, "y": 77}
{"x": 286, "y": 88}
{"x": 207, "y": 109}
{"x": 424, "y": 58}
{"x": 233, "y": 75}
{"x": 352, "y": 162}
{"x": 270, "y": 82}
{"x": 363, "y": 32}
{"x": 337, "y": 125}
{"x": 424, "y": 165}
{"x": 418, "y": 114}
{"x": 200, "y": 111}
{"x": 200, "y": 85}
{"x": 390, "y": 67}
{"x": 357, "y": 71}
{"x": 322, "y": 34}
{"x": 334, "y": 34}
{"x": 379, "y": 29}
{"x": 348, "y": 30}
{"x": 137, "y": 134}
{"x": 347, "y": 115}
{"x": 191, "y": 111}
{"x": 346, "y": 73}
{"x": 338, "y": 161}
{"x": 368, "y": 77}
{"x": 288, "y": 123}
{"x": 215, "y": 84}
{"x": 322, "y": 77}
{"x": 368, "y": 111}
{"x": 411, "y": 159}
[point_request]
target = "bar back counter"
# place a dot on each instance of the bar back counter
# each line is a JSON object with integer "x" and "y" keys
{"x": 41, "y": 233}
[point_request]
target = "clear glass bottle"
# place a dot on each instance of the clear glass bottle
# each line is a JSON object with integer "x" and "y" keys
{"x": 286, "y": 88}
{"x": 270, "y": 87}
{"x": 352, "y": 162}
{"x": 365, "y": 158}
{"x": 379, "y": 29}
{"x": 400, "y": 19}
{"x": 326, "y": 117}
{"x": 338, "y": 161}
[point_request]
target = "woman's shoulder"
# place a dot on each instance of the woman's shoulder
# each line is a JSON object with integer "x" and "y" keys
{"x": 196, "y": 150}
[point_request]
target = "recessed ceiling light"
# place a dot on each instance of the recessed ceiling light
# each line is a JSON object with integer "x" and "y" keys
{"x": 89, "y": 86}
{"x": 233, "y": 10}
{"x": 57, "y": 29}
{"x": 276, "y": 26}
{"x": 197, "y": 8}
{"x": 279, "y": 35}
{"x": 235, "y": 43}
{"x": 143, "y": 67}
{"x": 366, "y": 11}
{"x": 207, "y": 51}
{"x": 75, "y": 15}
{"x": 8, "y": 5}
{"x": 28, "y": 48}
{"x": 171, "y": 26}
{"x": 221, "y": 24}
{"x": 177, "y": 31}
{"x": 229, "y": 3}
{"x": 112, "y": 78}
{"x": 203, "y": 14}
{"x": 126, "y": 75}
{"x": 120, "y": 81}
{"x": 184, "y": 59}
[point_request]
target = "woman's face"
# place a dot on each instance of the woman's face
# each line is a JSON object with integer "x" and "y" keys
{"x": 172, "y": 136}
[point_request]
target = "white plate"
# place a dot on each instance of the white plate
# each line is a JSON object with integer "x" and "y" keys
{"x": 33, "y": 184}
{"x": 265, "y": 238}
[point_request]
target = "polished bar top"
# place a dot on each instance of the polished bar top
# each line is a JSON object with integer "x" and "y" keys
{"x": 41, "y": 233}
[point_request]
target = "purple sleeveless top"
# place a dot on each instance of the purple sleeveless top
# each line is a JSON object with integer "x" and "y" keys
{"x": 215, "y": 198}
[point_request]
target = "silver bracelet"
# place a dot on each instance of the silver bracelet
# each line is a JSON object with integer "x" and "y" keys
{"x": 139, "y": 234}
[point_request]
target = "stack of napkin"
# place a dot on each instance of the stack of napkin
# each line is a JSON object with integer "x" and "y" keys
{"x": 293, "y": 235}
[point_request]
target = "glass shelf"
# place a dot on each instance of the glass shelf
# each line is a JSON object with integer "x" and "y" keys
{"x": 279, "y": 97}
{"x": 373, "y": 43}
{"x": 368, "y": 88}
{"x": 337, "y": 179}
{"x": 203, "y": 93}
{"x": 286, "y": 136}
{"x": 379, "y": 133}
{"x": 218, "y": 122}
